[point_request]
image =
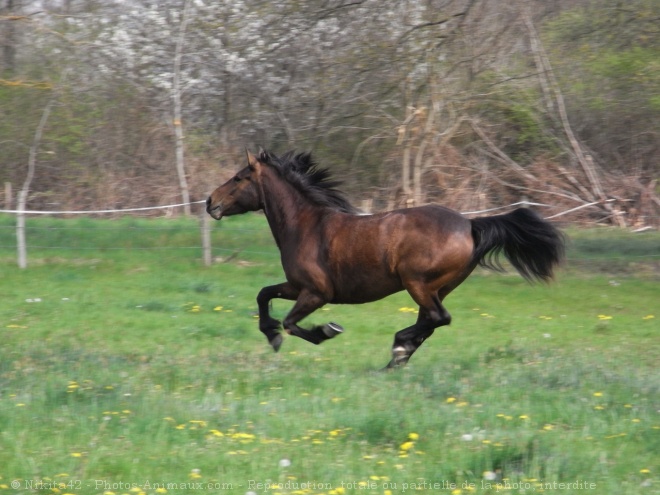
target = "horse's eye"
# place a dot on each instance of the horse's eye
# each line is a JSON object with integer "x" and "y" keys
{"x": 237, "y": 178}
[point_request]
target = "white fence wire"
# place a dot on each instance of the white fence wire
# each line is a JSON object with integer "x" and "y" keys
{"x": 205, "y": 228}
{"x": 95, "y": 212}
{"x": 179, "y": 205}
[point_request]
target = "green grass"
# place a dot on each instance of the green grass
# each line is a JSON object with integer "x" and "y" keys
{"x": 127, "y": 365}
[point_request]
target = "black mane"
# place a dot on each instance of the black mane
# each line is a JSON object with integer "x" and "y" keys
{"x": 316, "y": 184}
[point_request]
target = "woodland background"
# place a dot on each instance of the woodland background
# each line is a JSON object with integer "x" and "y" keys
{"x": 469, "y": 103}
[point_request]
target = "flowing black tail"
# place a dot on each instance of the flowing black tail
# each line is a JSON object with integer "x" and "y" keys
{"x": 532, "y": 245}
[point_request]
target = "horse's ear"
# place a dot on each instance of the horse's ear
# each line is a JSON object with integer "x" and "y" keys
{"x": 253, "y": 162}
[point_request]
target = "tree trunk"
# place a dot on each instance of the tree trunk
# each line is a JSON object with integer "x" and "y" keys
{"x": 176, "y": 104}
{"x": 23, "y": 193}
{"x": 9, "y": 45}
{"x": 9, "y": 197}
{"x": 404, "y": 139}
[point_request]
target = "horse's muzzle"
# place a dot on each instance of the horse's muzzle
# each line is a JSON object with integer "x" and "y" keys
{"x": 214, "y": 211}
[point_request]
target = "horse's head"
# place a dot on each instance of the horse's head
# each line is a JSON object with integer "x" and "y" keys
{"x": 240, "y": 194}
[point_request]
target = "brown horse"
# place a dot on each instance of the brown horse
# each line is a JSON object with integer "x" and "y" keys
{"x": 332, "y": 254}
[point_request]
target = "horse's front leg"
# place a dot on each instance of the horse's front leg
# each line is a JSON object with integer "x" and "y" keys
{"x": 267, "y": 324}
{"x": 306, "y": 304}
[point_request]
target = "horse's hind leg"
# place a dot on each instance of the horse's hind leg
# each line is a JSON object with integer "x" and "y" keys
{"x": 408, "y": 340}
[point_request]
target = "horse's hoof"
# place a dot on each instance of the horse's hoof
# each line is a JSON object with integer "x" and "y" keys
{"x": 276, "y": 342}
{"x": 332, "y": 329}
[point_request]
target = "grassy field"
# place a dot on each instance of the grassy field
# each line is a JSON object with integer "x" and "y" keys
{"x": 128, "y": 367}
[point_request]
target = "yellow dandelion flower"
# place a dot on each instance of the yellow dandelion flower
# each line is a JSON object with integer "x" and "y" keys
{"x": 243, "y": 437}
{"x": 387, "y": 492}
{"x": 450, "y": 400}
{"x": 217, "y": 308}
{"x": 549, "y": 427}
{"x": 76, "y": 454}
{"x": 598, "y": 394}
{"x": 523, "y": 416}
{"x": 457, "y": 491}
{"x": 645, "y": 471}
{"x": 406, "y": 446}
{"x": 648, "y": 317}
{"x": 161, "y": 490}
{"x": 413, "y": 436}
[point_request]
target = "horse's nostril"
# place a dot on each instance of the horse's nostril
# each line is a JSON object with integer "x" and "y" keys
{"x": 208, "y": 202}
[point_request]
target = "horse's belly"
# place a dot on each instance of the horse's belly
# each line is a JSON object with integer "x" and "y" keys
{"x": 356, "y": 290}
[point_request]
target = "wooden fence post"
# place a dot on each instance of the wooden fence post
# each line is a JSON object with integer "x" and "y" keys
{"x": 205, "y": 226}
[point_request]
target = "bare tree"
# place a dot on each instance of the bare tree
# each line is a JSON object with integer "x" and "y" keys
{"x": 176, "y": 107}
{"x": 8, "y": 40}
{"x": 25, "y": 190}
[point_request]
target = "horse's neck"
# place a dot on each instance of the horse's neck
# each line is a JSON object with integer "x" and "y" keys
{"x": 285, "y": 207}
